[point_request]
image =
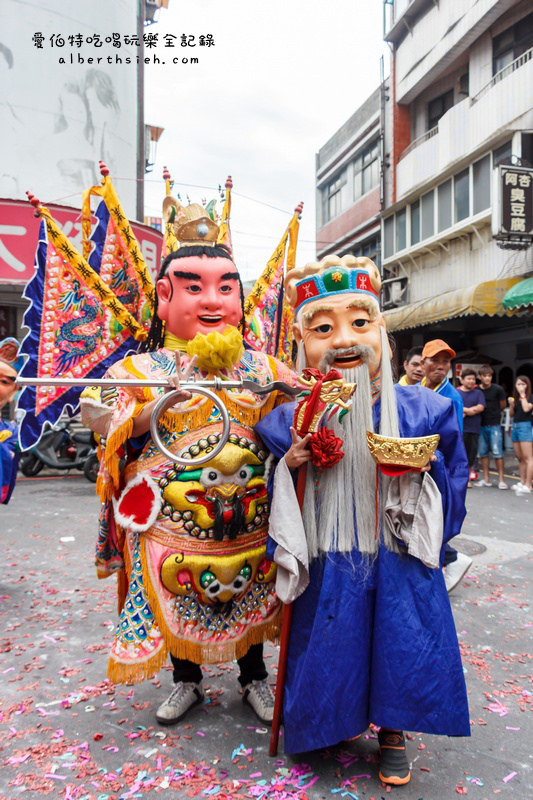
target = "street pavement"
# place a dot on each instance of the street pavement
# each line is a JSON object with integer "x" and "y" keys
{"x": 67, "y": 732}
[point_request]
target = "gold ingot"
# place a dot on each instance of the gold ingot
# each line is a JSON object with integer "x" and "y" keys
{"x": 413, "y": 453}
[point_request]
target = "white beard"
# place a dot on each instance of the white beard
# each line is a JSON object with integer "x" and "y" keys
{"x": 353, "y": 487}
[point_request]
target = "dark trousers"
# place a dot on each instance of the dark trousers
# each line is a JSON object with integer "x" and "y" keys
{"x": 251, "y": 666}
{"x": 450, "y": 555}
{"x": 471, "y": 440}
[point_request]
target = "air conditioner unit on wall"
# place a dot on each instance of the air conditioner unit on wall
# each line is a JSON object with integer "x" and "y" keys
{"x": 395, "y": 292}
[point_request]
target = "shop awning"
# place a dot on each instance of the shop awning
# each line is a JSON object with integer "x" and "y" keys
{"x": 519, "y": 296}
{"x": 484, "y": 299}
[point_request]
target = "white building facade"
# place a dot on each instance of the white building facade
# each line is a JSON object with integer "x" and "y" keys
{"x": 460, "y": 103}
{"x": 349, "y": 199}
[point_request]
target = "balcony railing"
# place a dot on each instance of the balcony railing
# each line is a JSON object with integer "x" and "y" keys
{"x": 419, "y": 140}
{"x": 503, "y": 73}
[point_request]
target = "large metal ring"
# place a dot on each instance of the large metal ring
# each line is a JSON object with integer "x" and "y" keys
{"x": 168, "y": 400}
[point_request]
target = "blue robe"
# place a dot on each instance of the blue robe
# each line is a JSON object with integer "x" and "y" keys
{"x": 376, "y": 641}
{"x": 8, "y": 461}
{"x": 445, "y": 389}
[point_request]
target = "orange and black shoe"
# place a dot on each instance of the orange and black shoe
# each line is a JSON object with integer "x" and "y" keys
{"x": 394, "y": 766}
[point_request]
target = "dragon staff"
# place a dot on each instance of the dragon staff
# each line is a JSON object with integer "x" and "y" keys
{"x": 206, "y": 388}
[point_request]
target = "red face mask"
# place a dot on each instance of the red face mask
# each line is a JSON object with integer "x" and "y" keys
{"x": 199, "y": 295}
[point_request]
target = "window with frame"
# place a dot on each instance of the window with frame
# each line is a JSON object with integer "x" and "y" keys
{"x": 438, "y": 107}
{"x": 461, "y": 195}
{"x": 415, "y": 222}
{"x": 428, "y": 214}
{"x": 512, "y": 43}
{"x": 444, "y": 210}
{"x": 370, "y": 249}
{"x": 388, "y": 236}
{"x": 333, "y": 197}
{"x": 401, "y": 229}
{"x": 481, "y": 181}
{"x": 366, "y": 170}
{"x": 503, "y": 154}
{"x": 370, "y": 167}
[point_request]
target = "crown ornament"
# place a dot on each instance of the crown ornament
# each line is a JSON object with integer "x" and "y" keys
{"x": 192, "y": 224}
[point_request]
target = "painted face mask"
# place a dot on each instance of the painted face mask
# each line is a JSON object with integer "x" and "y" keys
{"x": 337, "y": 333}
{"x": 199, "y": 295}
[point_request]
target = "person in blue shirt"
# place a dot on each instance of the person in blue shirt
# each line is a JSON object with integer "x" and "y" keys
{"x": 436, "y": 363}
{"x": 8, "y": 430}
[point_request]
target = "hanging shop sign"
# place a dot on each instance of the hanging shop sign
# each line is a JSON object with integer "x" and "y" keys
{"x": 513, "y": 209}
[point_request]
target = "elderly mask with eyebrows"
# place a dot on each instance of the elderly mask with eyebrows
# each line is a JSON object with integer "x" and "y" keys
{"x": 341, "y": 331}
{"x": 199, "y": 295}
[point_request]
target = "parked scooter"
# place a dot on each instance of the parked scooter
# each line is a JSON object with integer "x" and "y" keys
{"x": 63, "y": 449}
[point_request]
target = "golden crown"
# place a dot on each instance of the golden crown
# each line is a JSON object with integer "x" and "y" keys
{"x": 192, "y": 224}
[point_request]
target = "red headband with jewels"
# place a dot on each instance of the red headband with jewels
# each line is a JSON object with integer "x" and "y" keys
{"x": 335, "y": 280}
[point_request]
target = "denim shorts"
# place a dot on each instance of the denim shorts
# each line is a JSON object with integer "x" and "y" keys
{"x": 522, "y": 432}
{"x": 490, "y": 441}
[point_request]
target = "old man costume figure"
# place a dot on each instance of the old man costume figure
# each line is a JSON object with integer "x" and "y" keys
{"x": 190, "y": 541}
{"x": 372, "y": 637}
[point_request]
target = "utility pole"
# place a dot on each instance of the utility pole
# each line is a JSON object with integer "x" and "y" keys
{"x": 139, "y": 212}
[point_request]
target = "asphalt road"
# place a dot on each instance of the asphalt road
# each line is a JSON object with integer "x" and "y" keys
{"x": 66, "y": 732}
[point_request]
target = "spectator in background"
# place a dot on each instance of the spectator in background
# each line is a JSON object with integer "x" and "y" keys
{"x": 490, "y": 435}
{"x": 474, "y": 404}
{"x": 413, "y": 367}
{"x": 521, "y": 408}
{"x": 9, "y": 367}
{"x": 436, "y": 363}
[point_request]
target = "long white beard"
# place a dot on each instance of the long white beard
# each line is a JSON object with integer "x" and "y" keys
{"x": 352, "y": 491}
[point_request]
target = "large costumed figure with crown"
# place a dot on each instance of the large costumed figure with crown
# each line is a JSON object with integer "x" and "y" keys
{"x": 372, "y": 637}
{"x": 189, "y": 541}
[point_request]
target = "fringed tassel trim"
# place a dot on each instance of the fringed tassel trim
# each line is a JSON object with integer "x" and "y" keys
{"x": 114, "y": 441}
{"x": 193, "y": 419}
{"x": 179, "y": 421}
{"x": 104, "y": 489}
{"x": 229, "y": 650}
{"x": 248, "y": 415}
{"x": 127, "y": 672}
{"x": 206, "y": 652}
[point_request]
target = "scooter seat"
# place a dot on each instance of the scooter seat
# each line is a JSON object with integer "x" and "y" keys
{"x": 83, "y": 437}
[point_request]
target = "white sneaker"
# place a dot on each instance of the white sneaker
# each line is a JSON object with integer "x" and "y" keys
{"x": 502, "y": 485}
{"x": 455, "y": 571}
{"x": 259, "y": 696}
{"x": 516, "y": 486}
{"x": 182, "y": 697}
{"x": 483, "y": 483}
{"x": 523, "y": 490}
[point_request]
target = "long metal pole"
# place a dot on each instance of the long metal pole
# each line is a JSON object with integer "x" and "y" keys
{"x": 114, "y": 382}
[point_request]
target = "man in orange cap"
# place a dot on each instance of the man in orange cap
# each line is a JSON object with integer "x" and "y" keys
{"x": 436, "y": 361}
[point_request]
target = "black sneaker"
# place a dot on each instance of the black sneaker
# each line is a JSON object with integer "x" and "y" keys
{"x": 393, "y": 766}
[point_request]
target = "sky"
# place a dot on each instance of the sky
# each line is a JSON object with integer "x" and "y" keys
{"x": 280, "y": 79}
